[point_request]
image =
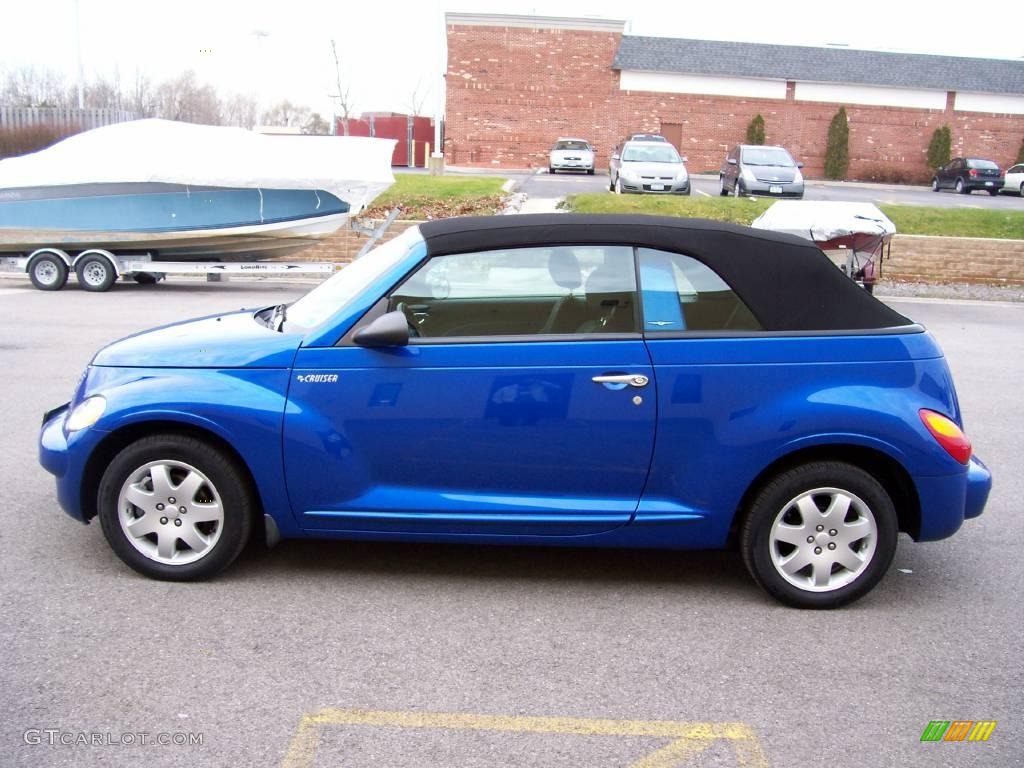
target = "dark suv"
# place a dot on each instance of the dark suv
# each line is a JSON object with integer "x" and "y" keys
{"x": 966, "y": 174}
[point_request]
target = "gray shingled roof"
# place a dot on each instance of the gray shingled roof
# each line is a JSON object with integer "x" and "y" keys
{"x": 822, "y": 65}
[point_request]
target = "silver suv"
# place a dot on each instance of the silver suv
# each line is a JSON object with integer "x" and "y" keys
{"x": 648, "y": 167}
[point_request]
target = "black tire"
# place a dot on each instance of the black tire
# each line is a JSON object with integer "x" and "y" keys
{"x": 48, "y": 272}
{"x": 145, "y": 278}
{"x": 611, "y": 182}
{"x": 992, "y": 192}
{"x": 961, "y": 188}
{"x": 226, "y": 479}
{"x": 1021, "y": 190}
{"x": 935, "y": 184}
{"x": 551, "y": 170}
{"x": 590, "y": 171}
{"x": 95, "y": 273}
{"x": 775, "y": 501}
{"x": 737, "y": 189}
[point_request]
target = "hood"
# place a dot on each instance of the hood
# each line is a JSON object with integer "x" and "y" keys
{"x": 660, "y": 170}
{"x": 235, "y": 340}
{"x": 772, "y": 172}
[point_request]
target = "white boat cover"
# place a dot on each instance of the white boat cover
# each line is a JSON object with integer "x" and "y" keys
{"x": 821, "y": 221}
{"x": 354, "y": 169}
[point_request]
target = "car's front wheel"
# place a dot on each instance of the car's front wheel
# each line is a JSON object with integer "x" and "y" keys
{"x": 722, "y": 191}
{"x": 935, "y": 184}
{"x": 175, "y": 508}
{"x": 820, "y": 535}
{"x": 618, "y": 186}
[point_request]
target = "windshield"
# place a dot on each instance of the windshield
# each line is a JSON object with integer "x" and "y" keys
{"x": 650, "y": 153}
{"x": 577, "y": 145}
{"x": 776, "y": 156}
{"x": 331, "y": 295}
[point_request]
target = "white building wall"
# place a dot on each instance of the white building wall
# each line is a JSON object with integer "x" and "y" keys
{"x": 668, "y": 82}
{"x": 879, "y": 96}
{"x": 989, "y": 102}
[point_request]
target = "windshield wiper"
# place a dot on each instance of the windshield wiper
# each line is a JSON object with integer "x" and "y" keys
{"x": 277, "y": 317}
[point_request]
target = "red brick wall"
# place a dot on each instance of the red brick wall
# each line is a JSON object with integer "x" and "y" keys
{"x": 512, "y": 91}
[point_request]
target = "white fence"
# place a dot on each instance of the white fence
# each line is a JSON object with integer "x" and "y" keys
{"x": 23, "y": 117}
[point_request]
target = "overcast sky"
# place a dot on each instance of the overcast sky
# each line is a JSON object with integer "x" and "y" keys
{"x": 273, "y": 50}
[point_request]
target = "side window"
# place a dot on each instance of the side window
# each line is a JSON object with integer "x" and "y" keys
{"x": 683, "y": 294}
{"x": 523, "y": 291}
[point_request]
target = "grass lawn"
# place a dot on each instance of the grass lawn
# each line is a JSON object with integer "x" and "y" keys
{"x": 432, "y": 197}
{"x": 909, "y": 219}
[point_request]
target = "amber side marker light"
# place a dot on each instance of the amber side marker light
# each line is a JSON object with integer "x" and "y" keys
{"x": 947, "y": 434}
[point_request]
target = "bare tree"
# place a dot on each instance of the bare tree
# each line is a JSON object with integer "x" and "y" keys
{"x": 286, "y": 114}
{"x": 183, "y": 98}
{"x": 316, "y": 125}
{"x": 240, "y": 110}
{"x": 142, "y": 98}
{"x": 344, "y": 94}
{"x": 417, "y": 98}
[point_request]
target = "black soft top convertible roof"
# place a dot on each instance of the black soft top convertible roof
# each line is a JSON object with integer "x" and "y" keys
{"x": 786, "y": 281}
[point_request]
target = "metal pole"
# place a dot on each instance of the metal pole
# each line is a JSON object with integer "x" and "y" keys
{"x": 78, "y": 42}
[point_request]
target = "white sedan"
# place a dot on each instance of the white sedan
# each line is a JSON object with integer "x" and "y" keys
{"x": 1015, "y": 180}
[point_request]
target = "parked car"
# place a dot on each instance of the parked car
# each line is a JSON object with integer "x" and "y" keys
{"x": 645, "y": 137}
{"x": 966, "y": 174}
{"x": 571, "y": 155}
{"x": 1014, "y": 180}
{"x": 648, "y": 166}
{"x": 763, "y": 170}
{"x": 557, "y": 379}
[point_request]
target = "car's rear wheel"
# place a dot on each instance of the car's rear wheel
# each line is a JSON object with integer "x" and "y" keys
{"x": 820, "y": 535}
{"x": 175, "y": 508}
{"x": 992, "y": 192}
{"x": 960, "y": 188}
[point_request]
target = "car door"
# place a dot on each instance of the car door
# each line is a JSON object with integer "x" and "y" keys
{"x": 949, "y": 173}
{"x": 523, "y": 404}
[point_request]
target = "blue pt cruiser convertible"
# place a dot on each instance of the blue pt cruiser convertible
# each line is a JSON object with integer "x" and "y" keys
{"x": 618, "y": 381}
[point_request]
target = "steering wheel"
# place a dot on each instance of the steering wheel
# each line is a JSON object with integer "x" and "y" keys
{"x": 414, "y": 332}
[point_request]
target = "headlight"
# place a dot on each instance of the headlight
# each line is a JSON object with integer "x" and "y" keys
{"x": 748, "y": 175}
{"x": 86, "y": 413}
{"x": 681, "y": 176}
{"x": 628, "y": 174}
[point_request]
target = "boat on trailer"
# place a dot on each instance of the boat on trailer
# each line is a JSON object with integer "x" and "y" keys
{"x": 163, "y": 191}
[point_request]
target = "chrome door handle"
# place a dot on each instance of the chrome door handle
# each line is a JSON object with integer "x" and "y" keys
{"x": 632, "y": 379}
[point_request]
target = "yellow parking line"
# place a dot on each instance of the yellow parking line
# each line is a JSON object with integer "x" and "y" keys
{"x": 688, "y": 739}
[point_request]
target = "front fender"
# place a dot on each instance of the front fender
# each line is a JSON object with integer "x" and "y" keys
{"x": 243, "y": 407}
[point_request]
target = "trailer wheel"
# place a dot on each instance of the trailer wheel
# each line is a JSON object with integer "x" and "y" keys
{"x": 95, "y": 273}
{"x": 48, "y": 272}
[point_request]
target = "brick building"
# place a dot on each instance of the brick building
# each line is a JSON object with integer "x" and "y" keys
{"x": 516, "y": 83}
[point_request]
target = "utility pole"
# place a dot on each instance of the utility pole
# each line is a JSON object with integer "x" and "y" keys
{"x": 78, "y": 42}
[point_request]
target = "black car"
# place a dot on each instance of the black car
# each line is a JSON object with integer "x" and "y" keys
{"x": 966, "y": 174}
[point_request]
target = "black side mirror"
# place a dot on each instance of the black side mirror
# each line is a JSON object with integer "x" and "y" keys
{"x": 388, "y": 330}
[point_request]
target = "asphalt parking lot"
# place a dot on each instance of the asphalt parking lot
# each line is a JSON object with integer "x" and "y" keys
{"x": 546, "y": 185}
{"x": 327, "y": 653}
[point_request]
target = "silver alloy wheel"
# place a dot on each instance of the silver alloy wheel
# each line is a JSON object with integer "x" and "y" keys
{"x": 95, "y": 272}
{"x": 618, "y": 185}
{"x": 170, "y": 512}
{"x": 46, "y": 272}
{"x": 823, "y": 539}
{"x": 960, "y": 186}
{"x": 935, "y": 184}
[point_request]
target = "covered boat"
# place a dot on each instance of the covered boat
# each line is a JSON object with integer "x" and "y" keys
{"x": 860, "y": 231}
{"x": 182, "y": 191}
